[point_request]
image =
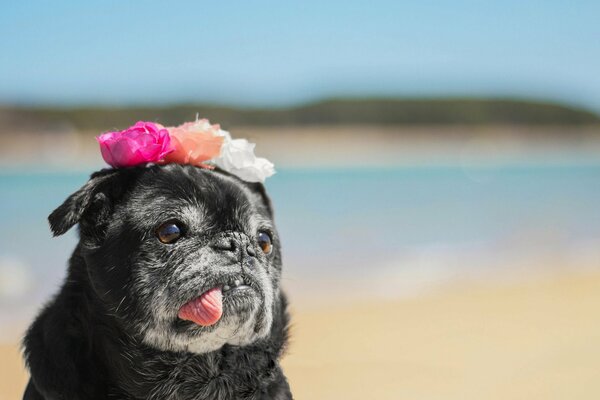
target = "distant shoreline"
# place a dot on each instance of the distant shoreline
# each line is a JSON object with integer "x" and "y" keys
{"x": 452, "y": 111}
{"x": 344, "y": 146}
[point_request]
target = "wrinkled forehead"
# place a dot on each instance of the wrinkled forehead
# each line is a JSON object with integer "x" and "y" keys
{"x": 202, "y": 199}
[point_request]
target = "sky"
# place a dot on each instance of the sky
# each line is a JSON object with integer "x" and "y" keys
{"x": 277, "y": 53}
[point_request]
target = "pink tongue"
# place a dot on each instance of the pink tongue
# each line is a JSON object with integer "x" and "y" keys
{"x": 205, "y": 310}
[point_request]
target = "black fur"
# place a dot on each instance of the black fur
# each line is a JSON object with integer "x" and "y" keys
{"x": 112, "y": 331}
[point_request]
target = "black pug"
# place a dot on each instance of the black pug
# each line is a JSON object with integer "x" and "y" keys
{"x": 171, "y": 293}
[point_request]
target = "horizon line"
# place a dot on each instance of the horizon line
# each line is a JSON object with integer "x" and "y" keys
{"x": 102, "y": 104}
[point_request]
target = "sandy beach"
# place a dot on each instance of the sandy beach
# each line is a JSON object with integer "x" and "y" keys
{"x": 343, "y": 146}
{"x": 530, "y": 340}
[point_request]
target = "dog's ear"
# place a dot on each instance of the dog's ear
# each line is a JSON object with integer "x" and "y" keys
{"x": 92, "y": 201}
{"x": 259, "y": 188}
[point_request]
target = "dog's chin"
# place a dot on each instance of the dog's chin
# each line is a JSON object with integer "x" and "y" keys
{"x": 246, "y": 318}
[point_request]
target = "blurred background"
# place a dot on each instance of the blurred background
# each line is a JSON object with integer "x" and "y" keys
{"x": 438, "y": 181}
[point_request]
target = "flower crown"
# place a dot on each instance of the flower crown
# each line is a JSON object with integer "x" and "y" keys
{"x": 196, "y": 143}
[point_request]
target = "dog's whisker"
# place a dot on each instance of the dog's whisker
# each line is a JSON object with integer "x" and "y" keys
{"x": 119, "y": 306}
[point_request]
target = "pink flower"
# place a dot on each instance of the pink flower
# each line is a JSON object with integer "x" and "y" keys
{"x": 141, "y": 143}
{"x": 195, "y": 143}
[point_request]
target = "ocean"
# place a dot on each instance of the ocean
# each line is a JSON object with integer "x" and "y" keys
{"x": 381, "y": 232}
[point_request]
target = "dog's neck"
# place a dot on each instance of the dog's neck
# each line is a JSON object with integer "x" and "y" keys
{"x": 230, "y": 372}
{"x": 227, "y": 373}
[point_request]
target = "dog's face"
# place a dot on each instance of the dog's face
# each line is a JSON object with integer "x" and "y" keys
{"x": 186, "y": 259}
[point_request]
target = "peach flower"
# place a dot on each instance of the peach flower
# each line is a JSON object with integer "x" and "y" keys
{"x": 195, "y": 143}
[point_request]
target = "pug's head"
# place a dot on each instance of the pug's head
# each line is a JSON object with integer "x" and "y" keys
{"x": 183, "y": 258}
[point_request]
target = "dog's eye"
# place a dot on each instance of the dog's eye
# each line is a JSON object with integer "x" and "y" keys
{"x": 168, "y": 232}
{"x": 265, "y": 243}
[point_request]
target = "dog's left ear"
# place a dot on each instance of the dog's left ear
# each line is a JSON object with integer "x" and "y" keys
{"x": 91, "y": 203}
{"x": 259, "y": 188}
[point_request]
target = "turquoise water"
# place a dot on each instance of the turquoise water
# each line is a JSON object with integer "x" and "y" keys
{"x": 346, "y": 218}
{"x": 347, "y": 223}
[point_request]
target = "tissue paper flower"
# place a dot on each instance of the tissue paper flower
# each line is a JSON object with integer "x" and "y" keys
{"x": 195, "y": 143}
{"x": 237, "y": 157}
{"x": 141, "y": 143}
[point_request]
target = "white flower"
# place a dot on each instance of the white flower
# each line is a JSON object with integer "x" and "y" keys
{"x": 237, "y": 157}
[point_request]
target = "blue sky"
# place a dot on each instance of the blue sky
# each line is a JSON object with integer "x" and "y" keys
{"x": 279, "y": 53}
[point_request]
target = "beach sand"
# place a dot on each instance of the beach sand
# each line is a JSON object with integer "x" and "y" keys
{"x": 343, "y": 146}
{"x": 538, "y": 339}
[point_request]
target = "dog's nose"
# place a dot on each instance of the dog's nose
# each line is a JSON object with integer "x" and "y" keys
{"x": 234, "y": 244}
{"x": 224, "y": 244}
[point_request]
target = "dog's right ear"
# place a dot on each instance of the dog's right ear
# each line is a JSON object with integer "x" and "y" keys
{"x": 92, "y": 199}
